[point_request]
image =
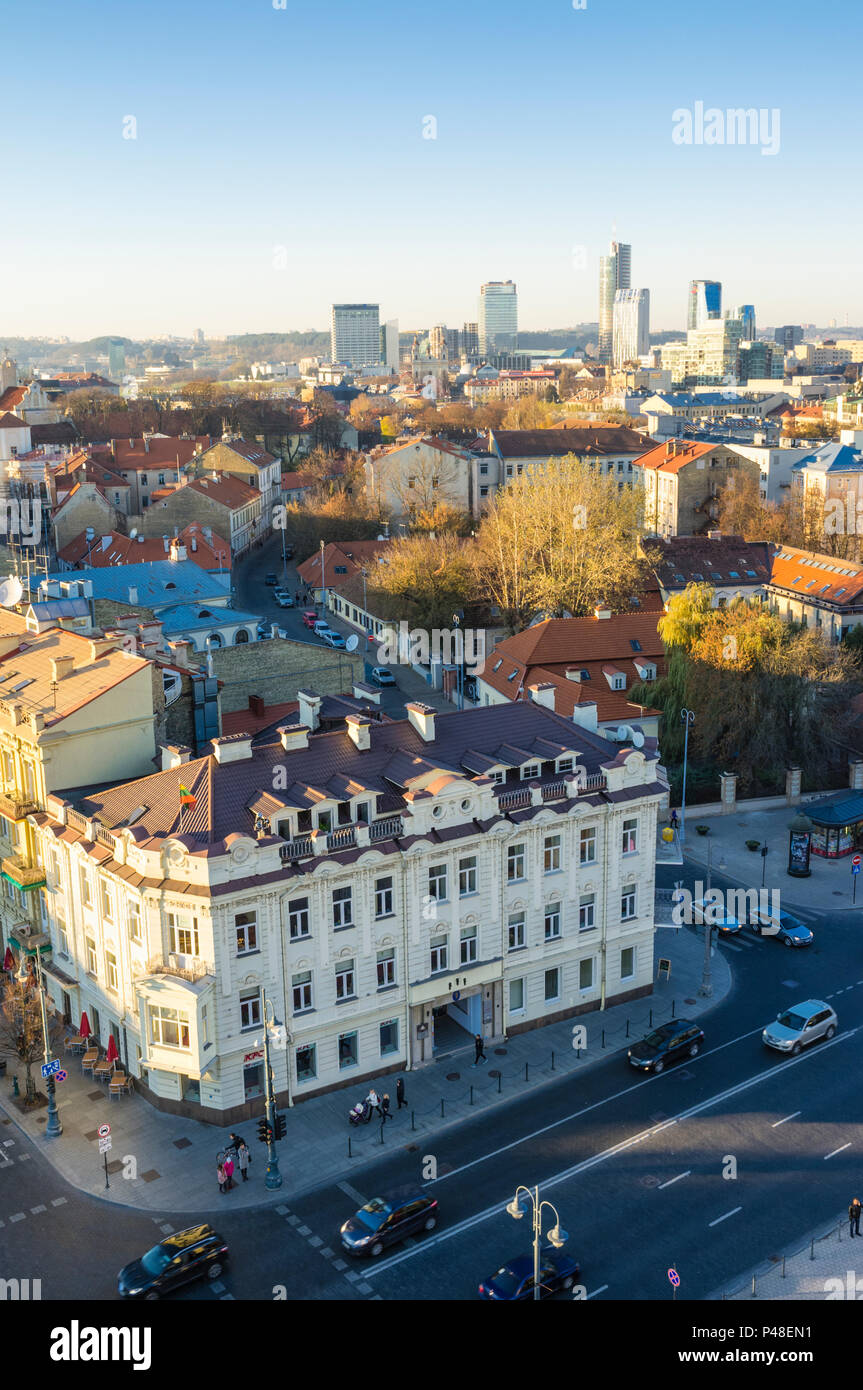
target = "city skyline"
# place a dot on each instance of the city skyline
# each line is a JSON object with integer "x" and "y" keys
{"x": 137, "y": 256}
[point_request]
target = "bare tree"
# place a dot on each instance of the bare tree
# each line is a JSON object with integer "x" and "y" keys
{"x": 21, "y": 1028}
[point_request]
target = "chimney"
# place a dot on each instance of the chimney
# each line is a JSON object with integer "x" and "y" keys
{"x": 174, "y": 755}
{"x": 293, "y": 736}
{"x": 600, "y": 612}
{"x": 359, "y": 730}
{"x": 369, "y": 694}
{"x": 543, "y": 694}
{"x": 714, "y": 535}
{"x": 232, "y": 748}
{"x": 166, "y": 544}
{"x": 584, "y": 715}
{"x": 310, "y": 708}
{"x": 62, "y": 666}
{"x": 257, "y": 706}
{"x": 422, "y": 718}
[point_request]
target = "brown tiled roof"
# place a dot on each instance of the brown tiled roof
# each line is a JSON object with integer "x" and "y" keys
{"x": 820, "y": 577}
{"x": 598, "y": 440}
{"x": 722, "y": 560}
{"x": 124, "y": 550}
{"x": 155, "y": 452}
{"x": 674, "y": 454}
{"x": 8, "y": 421}
{"x": 12, "y": 397}
{"x": 229, "y": 491}
{"x": 351, "y": 554}
{"x": 290, "y": 481}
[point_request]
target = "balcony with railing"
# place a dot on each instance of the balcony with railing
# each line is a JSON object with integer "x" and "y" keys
{"x": 23, "y": 874}
{"x": 190, "y": 968}
{"x": 518, "y": 798}
{"x": 16, "y": 807}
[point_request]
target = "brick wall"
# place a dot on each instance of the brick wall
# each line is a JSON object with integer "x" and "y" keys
{"x": 277, "y": 669}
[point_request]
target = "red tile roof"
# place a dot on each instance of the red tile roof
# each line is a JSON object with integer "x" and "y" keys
{"x": 124, "y": 550}
{"x": 229, "y": 491}
{"x": 8, "y": 421}
{"x": 12, "y": 397}
{"x": 156, "y": 451}
{"x": 674, "y": 454}
{"x": 819, "y": 577}
{"x": 353, "y": 555}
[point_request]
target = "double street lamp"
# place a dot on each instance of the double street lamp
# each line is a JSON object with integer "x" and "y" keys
{"x": 557, "y": 1236}
{"x": 274, "y": 1177}
{"x": 687, "y": 717}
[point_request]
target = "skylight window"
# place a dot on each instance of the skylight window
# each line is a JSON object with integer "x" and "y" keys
{"x": 840, "y": 591}
{"x": 797, "y": 578}
{"x": 732, "y": 574}
{"x": 497, "y": 665}
{"x": 513, "y": 673}
{"x": 585, "y": 675}
{"x": 698, "y": 576}
{"x": 22, "y": 684}
{"x": 715, "y": 575}
{"x": 810, "y": 583}
{"x": 635, "y": 644}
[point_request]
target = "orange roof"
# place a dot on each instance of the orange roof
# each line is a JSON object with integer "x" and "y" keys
{"x": 113, "y": 548}
{"x": 231, "y": 492}
{"x": 156, "y": 451}
{"x": 350, "y": 555}
{"x": 8, "y": 421}
{"x": 820, "y": 578}
{"x": 675, "y": 454}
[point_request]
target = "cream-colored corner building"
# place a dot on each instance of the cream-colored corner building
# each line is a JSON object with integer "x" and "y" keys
{"x": 393, "y": 888}
{"x": 74, "y": 711}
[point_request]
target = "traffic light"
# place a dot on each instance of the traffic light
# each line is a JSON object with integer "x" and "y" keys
{"x": 281, "y": 1126}
{"x": 264, "y": 1131}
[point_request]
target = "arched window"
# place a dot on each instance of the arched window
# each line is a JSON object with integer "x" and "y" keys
{"x": 214, "y": 639}
{"x": 241, "y": 635}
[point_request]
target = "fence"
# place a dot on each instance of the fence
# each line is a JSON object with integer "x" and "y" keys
{"x": 455, "y": 1102}
{"x": 781, "y": 1266}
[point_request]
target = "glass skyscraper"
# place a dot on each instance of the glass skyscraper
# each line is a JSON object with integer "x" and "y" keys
{"x": 614, "y": 275}
{"x": 705, "y": 302}
{"x": 631, "y": 325}
{"x": 498, "y": 317}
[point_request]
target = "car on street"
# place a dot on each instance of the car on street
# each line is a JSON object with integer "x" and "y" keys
{"x": 271, "y": 579}
{"x": 284, "y": 600}
{"x": 264, "y": 631}
{"x": 514, "y": 1280}
{"x": 668, "y": 1043}
{"x": 289, "y": 551}
{"x": 199, "y": 1252}
{"x": 321, "y": 626}
{"x": 382, "y": 675}
{"x": 717, "y": 917}
{"x": 387, "y": 1220}
{"x": 782, "y": 926}
{"x": 310, "y": 617}
{"x": 333, "y": 639}
{"x": 801, "y": 1025}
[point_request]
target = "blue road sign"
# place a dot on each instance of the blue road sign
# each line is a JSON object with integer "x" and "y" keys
{"x": 674, "y": 1277}
{"x": 50, "y": 1068}
{"x": 456, "y": 994}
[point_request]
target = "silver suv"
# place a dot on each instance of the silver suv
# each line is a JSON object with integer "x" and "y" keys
{"x": 801, "y": 1025}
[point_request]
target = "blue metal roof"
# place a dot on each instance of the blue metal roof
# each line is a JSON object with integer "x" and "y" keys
{"x": 187, "y": 617}
{"x": 831, "y": 458}
{"x": 843, "y": 808}
{"x": 157, "y": 584}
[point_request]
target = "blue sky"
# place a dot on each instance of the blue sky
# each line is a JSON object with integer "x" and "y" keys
{"x": 302, "y": 128}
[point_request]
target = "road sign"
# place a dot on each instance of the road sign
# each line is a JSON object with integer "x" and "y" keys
{"x": 61, "y": 1075}
{"x": 674, "y": 1278}
{"x": 456, "y": 995}
{"x": 50, "y": 1068}
{"x": 104, "y": 1131}
{"x": 855, "y": 864}
{"x": 104, "y": 1146}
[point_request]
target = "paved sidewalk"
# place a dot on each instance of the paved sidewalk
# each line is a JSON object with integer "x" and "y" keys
{"x": 827, "y": 1264}
{"x": 171, "y": 1161}
{"x": 828, "y": 889}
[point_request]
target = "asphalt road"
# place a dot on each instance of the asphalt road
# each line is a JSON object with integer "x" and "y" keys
{"x": 642, "y": 1170}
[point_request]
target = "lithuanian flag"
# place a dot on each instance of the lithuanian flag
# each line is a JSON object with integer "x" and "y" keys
{"x": 186, "y": 798}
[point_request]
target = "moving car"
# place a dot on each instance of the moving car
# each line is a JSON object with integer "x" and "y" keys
{"x": 333, "y": 639}
{"x": 271, "y": 579}
{"x": 801, "y": 1025}
{"x": 714, "y": 913}
{"x": 782, "y": 926}
{"x": 289, "y": 551}
{"x": 199, "y": 1252}
{"x": 310, "y": 617}
{"x": 386, "y": 1220}
{"x": 669, "y": 1043}
{"x": 381, "y": 675}
{"x": 515, "y": 1279}
{"x": 283, "y": 599}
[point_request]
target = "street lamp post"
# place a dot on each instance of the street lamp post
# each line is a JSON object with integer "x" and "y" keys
{"x": 459, "y": 656}
{"x": 706, "y": 987}
{"x": 274, "y": 1177}
{"x": 284, "y": 559}
{"x": 688, "y": 718}
{"x": 53, "y": 1127}
{"x": 323, "y": 586}
{"x": 556, "y": 1235}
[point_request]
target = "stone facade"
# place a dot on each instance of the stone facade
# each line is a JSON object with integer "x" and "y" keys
{"x": 277, "y": 669}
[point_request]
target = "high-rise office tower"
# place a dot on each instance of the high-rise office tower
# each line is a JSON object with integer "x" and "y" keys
{"x": 355, "y": 334}
{"x": 498, "y": 317}
{"x": 788, "y": 336}
{"x": 389, "y": 351}
{"x": 705, "y": 302}
{"x": 116, "y": 359}
{"x": 438, "y": 342}
{"x": 746, "y": 313}
{"x": 614, "y": 273}
{"x": 470, "y": 339}
{"x": 631, "y": 325}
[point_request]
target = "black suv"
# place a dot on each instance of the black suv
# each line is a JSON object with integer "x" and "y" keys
{"x": 386, "y": 1220}
{"x": 673, "y": 1040}
{"x": 196, "y": 1253}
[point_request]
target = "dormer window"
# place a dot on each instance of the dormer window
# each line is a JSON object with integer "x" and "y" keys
{"x": 498, "y": 776}
{"x": 565, "y": 764}
{"x": 529, "y": 770}
{"x": 618, "y": 682}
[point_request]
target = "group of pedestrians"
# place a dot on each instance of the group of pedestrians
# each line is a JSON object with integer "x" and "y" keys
{"x": 380, "y": 1105}
{"x": 302, "y": 596}
{"x": 237, "y": 1155}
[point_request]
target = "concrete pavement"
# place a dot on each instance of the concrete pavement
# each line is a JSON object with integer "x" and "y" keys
{"x": 827, "y": 1266}
{"x": 168, "y": 1163}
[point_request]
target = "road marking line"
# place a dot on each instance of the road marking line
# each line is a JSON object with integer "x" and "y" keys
{"x": 352, "y": 1193}
{"x": 34, "y": 1211}
{"x": 605, "y": 1154}
{"x": 535, "y": 1134}
{"x": 671, "y": 1181}
{"x": 601, "y": 1289}
{"x": 58, "y": 1202}
{"x": 838, "y": 1151}
{"x": 720, "y": 1219}
{"x": 787, "y": 1117}
{"x": 19, "y": 1216}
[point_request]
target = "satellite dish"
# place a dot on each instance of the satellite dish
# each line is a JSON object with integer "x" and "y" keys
{"x": 352, "y": 642}
{"x": 637, "y": 738}
{"x": 133, "y": 533}
{"x": 11, "y": 591}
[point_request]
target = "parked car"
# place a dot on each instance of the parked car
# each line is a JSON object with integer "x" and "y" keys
{"x": 310, "y": 617}
{"x": 321, "y": 625}
{"x": 264, "y": 631}
{"x": 199, "y": 1252}
{"x": 382, "y": 675}
{"x": 271, "y": 579}
{"x": 673, "y": 1040}
{"x": 782, "y": 927}
{"x": 714, "y": 913}
{"x": 284, "y": 600}
{"x": 333, "y": 639}
{"x": 386, "y": 1220}
{"x": 801, "y": 1025}
{"x": 515, "y": 1280}
{"x": 289, "y": 551}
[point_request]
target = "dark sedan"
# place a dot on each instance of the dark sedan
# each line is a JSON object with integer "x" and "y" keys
{"x": 386, "y": 1220}
{"x": 515, "y": 1280}
{"x": 673, "y": 1040}
{"x": 196, "y": 1253}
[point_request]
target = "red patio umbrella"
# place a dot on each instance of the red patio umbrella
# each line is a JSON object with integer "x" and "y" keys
{"x": 112, "y": 1054}
{"x": 8, "y": 959}
{"x": 84, "y": 1029}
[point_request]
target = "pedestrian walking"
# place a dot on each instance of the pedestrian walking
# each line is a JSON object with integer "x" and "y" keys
{"x": 220, "y": 1173}
{"x": 479, "y": 1050}
{"x": 854, "y": 1216}
{"x": 229, "y": 1172}
{"x": 244, "y": 1158}
{"x": 400, "y": 1094}
{"x": 385, "y": 1108}
{"x": 674, "y": 821}
{"x": 234, "y": 1141}
{"x": 373, "y": 1100}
